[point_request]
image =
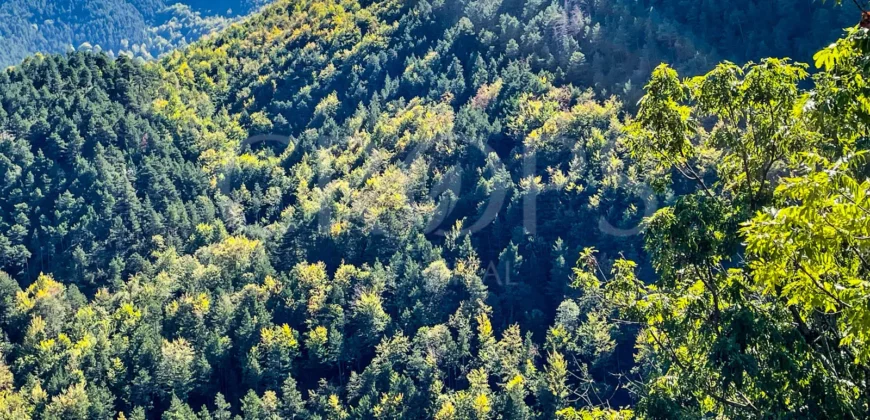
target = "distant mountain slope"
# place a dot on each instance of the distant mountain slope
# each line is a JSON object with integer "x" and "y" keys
{"x": 143, "y": 28}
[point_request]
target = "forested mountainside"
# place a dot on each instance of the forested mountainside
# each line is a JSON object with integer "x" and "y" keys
{"x": 404, "y": 209}
{"x": 624, "y": 39}
{"x": 142, "y": 28}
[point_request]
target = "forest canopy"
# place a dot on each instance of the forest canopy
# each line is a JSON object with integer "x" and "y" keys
{"x": 450, "y": 210}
